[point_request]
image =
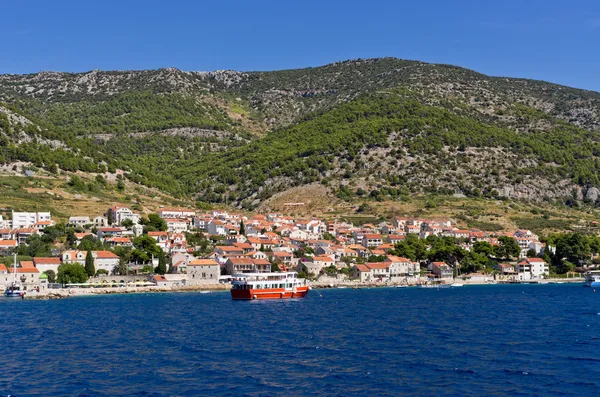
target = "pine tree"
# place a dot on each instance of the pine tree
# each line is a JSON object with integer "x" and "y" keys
{"x": 89, "y": 264}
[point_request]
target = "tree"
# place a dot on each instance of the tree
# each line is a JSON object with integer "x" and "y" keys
{"x": 483, "y": 247}
{"x": 89, "y": 264}
{"x": 242, "y": 228}
{"x": 507, "y": 248}
{"x": 162, "y": 264}
{"x": 145, "y": 248}
{"x": 110, "y": 218}
{"x": 127, "y": 223}
{"x": 122, "y": 268}
{"x": 147, "y": 269}
{"x": 51, "y": 275}
{"x": 120, "y": 185}
{"x": 412, "y": 247}
{"x": 154, "y": 223}
{"x": 71, "y": 273}
{"x": 101, "y": 272}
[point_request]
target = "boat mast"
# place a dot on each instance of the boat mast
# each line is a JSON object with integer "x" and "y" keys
{"x": 15, "y": 268}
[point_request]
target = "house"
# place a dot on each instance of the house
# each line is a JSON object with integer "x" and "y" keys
{"x": 162, "y": 239}
{"x": 169, "y": 213}
{"x": 361, "y": 273}
{"x": 104, "y": 260}
{"x": 441, "y": 270}
{"x": 7, "y": 247}
{"x": 7, "y": 234}
{"x": 395, "y": 238}
{"x": 247, "y": 265}
{"x": 104, "y": 232}
{"x": 216, "y": 228}
{"x": 119, "y": 241}
{"x": 532, "y": 268}
{"x": 203, "y": 271}
{"x": 282, "y": 257}
{"x": 24, "y": 233}
{"x": 317, "y": 263}
{"x": 401, "y": 268}
{"x": 100, "y": 221}
{"x": 119, "y": 214}
{"x": 505, "y": 269}
{"x": 371, "y": 240}
{"x": 80, "y": 221}
{"x": 461, "y": 233}
{"x": 176, "y": 225}
{"x": 41, "y": 225}
{"x": 380, "y": 271}
{"x": 224, "y": 252}
{"x": 45, "y": 264}
{"x": 28, "y": 219}
{"x": 169, "y": 280}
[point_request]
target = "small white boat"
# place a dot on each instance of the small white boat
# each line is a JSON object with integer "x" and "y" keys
{"x": 592, "y": 278}
{"x": 457, "y": 285}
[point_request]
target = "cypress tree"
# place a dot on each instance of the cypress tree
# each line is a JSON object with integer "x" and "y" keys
{"x": 242, "y": 228}
{"x": 89, "y": 264}
{"x": 162, "y": 264}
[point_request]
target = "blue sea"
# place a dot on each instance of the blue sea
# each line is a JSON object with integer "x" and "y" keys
{"x": 517, "y": 340}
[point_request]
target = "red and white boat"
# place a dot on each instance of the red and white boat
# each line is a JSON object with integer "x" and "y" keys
{"x": 287, "y": 285}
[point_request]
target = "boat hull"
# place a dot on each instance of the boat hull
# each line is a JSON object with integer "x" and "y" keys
{"x": 275, "y": 293}
{"x": 13, "y": 294}
{"x": 594, "y": 284}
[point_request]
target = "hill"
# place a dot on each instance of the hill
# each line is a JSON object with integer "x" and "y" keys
{"x": 382, "y": 129}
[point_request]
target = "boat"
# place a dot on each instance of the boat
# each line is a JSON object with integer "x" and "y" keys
{"x": 285, "y": 285}
{"x": 14, "y": 289}
{"x": 592, "y": 278}
{"x": 457, "y": 285}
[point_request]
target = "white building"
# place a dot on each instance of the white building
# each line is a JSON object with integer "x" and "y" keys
{"x": 167, "y": 213}
{"x": 79, "y": 220}
{"x": 28, "y": 219}
{"x": 532, "y": 268}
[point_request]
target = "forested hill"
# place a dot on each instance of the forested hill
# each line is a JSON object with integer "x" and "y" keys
{"x": 385, "y": 127}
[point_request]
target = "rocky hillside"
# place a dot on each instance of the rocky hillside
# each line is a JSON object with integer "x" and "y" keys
{"x": 377, "y": 127}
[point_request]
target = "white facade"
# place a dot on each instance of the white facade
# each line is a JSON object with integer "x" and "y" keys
{"x": 79, "y": 220}
{"x": 28, "y": 219}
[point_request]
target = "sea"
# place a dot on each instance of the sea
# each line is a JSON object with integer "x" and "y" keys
{"x": 511, "y": 340}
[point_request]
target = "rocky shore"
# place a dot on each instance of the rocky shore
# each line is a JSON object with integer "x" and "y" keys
{"x": 73, "y": 292}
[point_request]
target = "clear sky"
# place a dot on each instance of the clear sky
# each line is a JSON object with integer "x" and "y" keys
{"x": 553, "y": 40}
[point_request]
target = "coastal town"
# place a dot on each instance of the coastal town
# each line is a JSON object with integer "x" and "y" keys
{"x": 177, "y": 248}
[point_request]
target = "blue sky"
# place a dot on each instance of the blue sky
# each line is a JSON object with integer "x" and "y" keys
{"x": 553, "y": 40}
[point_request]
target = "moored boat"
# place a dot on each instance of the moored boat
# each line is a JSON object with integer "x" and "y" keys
{"x": 286, "y": 285}
{"x": 592, "y": 278}
{"x": 14, "y": 289}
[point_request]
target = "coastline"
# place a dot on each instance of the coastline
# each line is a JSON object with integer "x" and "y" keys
{"x": 76, "y": 292}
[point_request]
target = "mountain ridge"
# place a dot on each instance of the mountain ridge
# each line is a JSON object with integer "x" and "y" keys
{"x": 432, "y": 128}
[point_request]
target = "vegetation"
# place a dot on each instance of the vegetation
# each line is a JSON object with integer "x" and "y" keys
{"x": 69, "y": 273}
{"x": 362, "y": 122}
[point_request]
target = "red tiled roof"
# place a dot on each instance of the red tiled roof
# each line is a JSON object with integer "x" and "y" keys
{"x": 106, "y": 255}
{"x": 46, "y": 261}
{"x": 203, "y": 262}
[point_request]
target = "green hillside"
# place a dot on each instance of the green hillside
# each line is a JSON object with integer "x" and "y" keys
{"x": 385, "y": 128}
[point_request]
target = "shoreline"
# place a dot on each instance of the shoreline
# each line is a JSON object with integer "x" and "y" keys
{"x": 78, "y": 292}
